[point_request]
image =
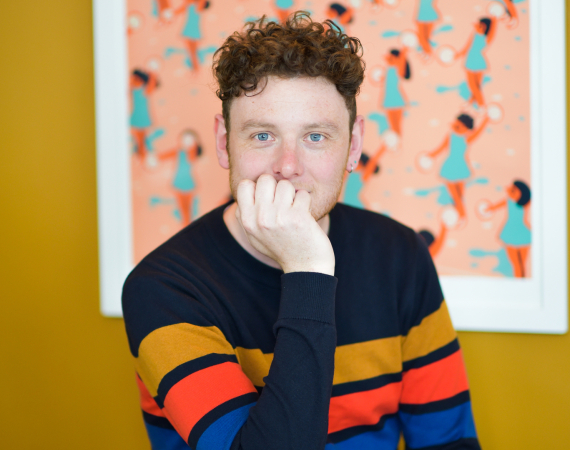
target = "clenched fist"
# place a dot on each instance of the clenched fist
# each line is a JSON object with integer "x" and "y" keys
{"x": 278, "y": 223}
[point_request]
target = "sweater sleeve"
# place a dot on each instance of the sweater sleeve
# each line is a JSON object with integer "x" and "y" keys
{"x": 193, "y": 390}
{"x": 435, "y": 407}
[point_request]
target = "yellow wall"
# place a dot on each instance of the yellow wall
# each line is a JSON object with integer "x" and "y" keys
{"x": 66, "y": 377}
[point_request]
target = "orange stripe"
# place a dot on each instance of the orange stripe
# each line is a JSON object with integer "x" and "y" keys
{"x": 197, "y": 394}
{"x": 436, "y": 381}
{"x": 148, "y": 404}
{"x": 363, "y": 408}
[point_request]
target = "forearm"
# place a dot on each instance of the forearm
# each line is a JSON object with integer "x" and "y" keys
{"x": 292, "y": 410}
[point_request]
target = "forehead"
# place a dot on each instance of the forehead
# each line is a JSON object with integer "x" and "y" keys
{"x": 291, "y": 101}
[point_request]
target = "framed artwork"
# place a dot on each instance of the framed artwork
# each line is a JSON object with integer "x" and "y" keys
{"x": 464, "y": 106}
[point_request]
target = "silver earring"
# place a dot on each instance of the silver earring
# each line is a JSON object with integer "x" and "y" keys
{"x": 351, "y": 169}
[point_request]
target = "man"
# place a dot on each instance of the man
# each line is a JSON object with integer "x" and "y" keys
{"x": 282, "y": 320}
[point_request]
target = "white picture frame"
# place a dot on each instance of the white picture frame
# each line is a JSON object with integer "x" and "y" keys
{"x": 535, "y": 305}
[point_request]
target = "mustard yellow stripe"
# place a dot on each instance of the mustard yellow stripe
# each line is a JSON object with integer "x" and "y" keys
{"x": 254, "y": 364}
{"x": 432, "y": 333}
{"x": 356, "y": 362}
{"x": 353, "y": 362}
{"x": 168, "y": 347}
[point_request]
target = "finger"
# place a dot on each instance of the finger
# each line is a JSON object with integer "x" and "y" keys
{"x": 302, "y": 200}
{"x": 284, "y": 193}
{"x": 245, "y": 195}
{"x": 265, "y": 189}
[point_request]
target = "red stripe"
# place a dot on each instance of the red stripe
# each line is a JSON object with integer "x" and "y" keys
{"x": 363, "y": 408}
{"x": 436, "y": 381}
{"x": 148, "y": 404}
{"x": 197, "y": 394}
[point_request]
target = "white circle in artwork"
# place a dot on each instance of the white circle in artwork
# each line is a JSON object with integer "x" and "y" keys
{"x": 391, "y": 2}
{"x": 511, "y": 151}
{"x": 377, "y": 73}
{"x": 483, "y": 210}
{"x": 494, "y": 112}
{"x": 391, "y": 139}
{"x": 409, "y": 39}
{"x": 450, "y": 217}
{"x": 451, "y": 243}
{"x": 168, "y": 14}
{"x": 355, "y": 3}
{"x": 134, "y": 21}
{"x": 425, "y": 162}
{"x": 188, "y": 140}
{"x": 151, "y": 161}
{"x": 154, "y": 64}
{"x": 496, "y": 9}
{"x": 446, "y": 55}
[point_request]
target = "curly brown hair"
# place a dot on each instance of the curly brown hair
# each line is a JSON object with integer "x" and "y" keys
{"x": 299, "y": 47}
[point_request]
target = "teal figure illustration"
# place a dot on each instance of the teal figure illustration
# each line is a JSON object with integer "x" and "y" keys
{"x": 340, "y": 15}
{"x": 515, "y": 235}
{"x": 192, "y": 31}
{"x": 515, "y": 232}
{"x": 358, "y": 176}
{"x": 142, "y": 85}
{"x": 354, "y": 185}
{"x": 392, "y": 98}
{"x": 455, "y": 169}
{"x": 183, "y": 181}
{"x": 475, "y": 62}
{"x": 426, "y": 18}
{"x": 140, "y": 115}
{"x": 283, "y": 8}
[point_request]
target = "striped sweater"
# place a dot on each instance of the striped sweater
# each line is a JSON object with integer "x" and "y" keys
{"x": 233, "y": 354}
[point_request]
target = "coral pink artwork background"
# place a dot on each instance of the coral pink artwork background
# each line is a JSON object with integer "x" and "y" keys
{"x": 185, "y": 99}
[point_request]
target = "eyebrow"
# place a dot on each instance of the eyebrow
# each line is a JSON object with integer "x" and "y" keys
{"x": 249, "y": 124}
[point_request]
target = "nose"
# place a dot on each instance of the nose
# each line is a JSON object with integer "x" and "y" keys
{"x": 287, "y": 163}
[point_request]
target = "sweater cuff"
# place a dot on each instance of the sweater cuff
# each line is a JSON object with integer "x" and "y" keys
{"x": 308, "y": 295}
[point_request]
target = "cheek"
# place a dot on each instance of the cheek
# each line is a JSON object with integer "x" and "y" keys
{"x": 326, "y": 170}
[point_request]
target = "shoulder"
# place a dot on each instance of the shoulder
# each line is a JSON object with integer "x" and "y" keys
{"x": 166, "y": 286}
{"x": 362, "y": 229}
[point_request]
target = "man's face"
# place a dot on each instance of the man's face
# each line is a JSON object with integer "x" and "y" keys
{"x": 296, "y": 129}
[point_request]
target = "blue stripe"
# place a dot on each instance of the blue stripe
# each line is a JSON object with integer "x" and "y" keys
{"x": 425, "y": 430}
{"x": 220, "y": 435}
{"x": 165, "y": 439}
{"x": 384, "y": 439}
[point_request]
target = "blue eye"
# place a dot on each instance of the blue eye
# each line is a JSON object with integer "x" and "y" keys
{"x": 263, "y": 136}
{"x": 316, "y": 137}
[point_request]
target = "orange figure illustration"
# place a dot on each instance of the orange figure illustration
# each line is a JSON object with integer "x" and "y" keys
{"x": 283, "y": 8}
{"x": 475, "y": 62}
{"x": 360, "y": 173}
{"x": 340, "y": 15}
{"x": 184, "y": 184}
{"x": 504, "y": 10}
{"x": 515, "y": 234}
{"x": 449, "y": 219}
{"x": 456, "y": 169}
{"x": 192, "y": 31}
{"x": 393, "y": 98}
{"x": 426, "y": 18}
{"x": 142, "y": 85}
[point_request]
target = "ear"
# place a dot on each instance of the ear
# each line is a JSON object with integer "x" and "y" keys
{"x": 221, "y": 135}
{"x": 357, "y": 139}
